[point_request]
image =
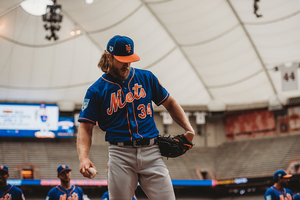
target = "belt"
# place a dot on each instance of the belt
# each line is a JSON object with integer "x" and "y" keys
{"x": 136, "y": 143}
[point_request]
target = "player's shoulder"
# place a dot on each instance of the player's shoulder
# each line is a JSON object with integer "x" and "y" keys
{"x": 96, "y": 84}
{"x": 269, "y": 190}
{"x": 15, "y": 188}
{"x": 53, "y": 190}
{"x": 105, "y": 195}
{"x": 145, "y": 74}
{"x": 142, "y": 71}
{"x": 288, "y": 190}
{"x": 297, "y": 196}
{"x": 78, "y": 189}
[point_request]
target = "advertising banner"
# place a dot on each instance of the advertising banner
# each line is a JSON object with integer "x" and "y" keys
{"x": 250, "y": 124}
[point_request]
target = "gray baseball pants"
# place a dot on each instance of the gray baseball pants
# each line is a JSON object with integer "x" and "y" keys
{"x": 128, "y": 165}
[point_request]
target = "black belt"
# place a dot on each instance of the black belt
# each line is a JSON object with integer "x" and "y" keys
{"x": 136, "y": 143}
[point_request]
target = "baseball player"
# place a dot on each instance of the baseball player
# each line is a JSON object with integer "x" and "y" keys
{"x": 7, "y": 191}
{"x": 44, "y": 117}
{"x": 106, "y": 197}
{"x": 278, "y": 190}
{"x": 297, "y": 196}
{"x": 65, "y": 190}
{"x": 121, "y": 103}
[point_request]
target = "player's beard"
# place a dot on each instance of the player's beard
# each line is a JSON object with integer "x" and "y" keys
{"x": 2, "y": 182}
{"x": 284, "y": 184}
{"x": 65, "y": 181}
{"x": 117, "y": 73}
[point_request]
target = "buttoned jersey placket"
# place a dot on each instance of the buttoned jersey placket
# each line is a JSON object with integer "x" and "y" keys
{"x": 130, "y": 108}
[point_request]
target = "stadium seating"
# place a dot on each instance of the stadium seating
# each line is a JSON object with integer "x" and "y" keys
{"x": 232, "y": 159}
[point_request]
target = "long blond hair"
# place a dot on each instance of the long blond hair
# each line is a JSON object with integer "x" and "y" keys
{"x": 104, "y": 63}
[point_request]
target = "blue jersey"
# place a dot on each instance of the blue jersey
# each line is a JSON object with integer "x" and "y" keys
{"x": 124, "y": 108}
{"x": 11, "y": 192}
{"x": 273, "y": 194}
{"x": 297, "y": 196}
{"x": 59, "y": 193}
{"x": 106, "y": 197}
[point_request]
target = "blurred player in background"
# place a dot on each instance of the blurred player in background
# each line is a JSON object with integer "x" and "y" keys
{"x": 106, "y": 197}
{"x": 44, "y": 118}
{"x": 121, "y": 102}
{"x": 65, "y": 190}
{"x": 7, "y": 191}
{"x": 279, "y": 191}
{"x": 297, "y": 196}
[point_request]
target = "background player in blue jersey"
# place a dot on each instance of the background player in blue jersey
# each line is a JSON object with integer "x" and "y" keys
{"x": 7, "y": 191}
{"x": 297, "y": 196}
{"x": 65, "y": 190}
{"x": 121, "y": 102}
{"x": 106, "y": 197}
{"x": 279, "y": 191}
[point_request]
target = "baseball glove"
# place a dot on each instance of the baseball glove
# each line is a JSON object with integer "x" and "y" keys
{"x": 173, "y": 147}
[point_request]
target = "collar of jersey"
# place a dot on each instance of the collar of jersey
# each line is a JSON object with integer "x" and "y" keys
{"x": 71, "y": 188}
{"x": 111, "y": 78}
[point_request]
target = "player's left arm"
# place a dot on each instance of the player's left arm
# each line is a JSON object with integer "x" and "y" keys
{"x": 179, "y": 116}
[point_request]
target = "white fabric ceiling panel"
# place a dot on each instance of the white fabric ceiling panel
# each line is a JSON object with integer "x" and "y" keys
{"x": 101, "y": 14}
{"x": 271, "y": 10}
{"x": 193, "y": 22}
{"x": 176, "y": 76}
{"x": 225, "y": 65}
{"x": 28, "y": 30}
{"x": 202, "y": 51}
{"x": 278, "y": 42}
{"x": 41, "y": 66}
{"x": 253, "y": 90}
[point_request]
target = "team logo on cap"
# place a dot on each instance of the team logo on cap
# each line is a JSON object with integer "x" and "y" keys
{"x": 128, "y": 48}
{"x": 111, "y": 48}
{"x": 63, "y": 166}
{"x": 1, "y": 166}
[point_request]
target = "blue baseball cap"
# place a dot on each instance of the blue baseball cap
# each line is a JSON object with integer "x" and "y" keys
{"x": 3, "y": 168}
{"x": 281, "y": 174}
{"x": 63, "y": 168}
{"x": 122, "y": 48}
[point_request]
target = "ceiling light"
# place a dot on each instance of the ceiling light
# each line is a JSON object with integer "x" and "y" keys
{"x": 78, "y": 32}
{"x": 89, "y": 1}
{"x": 72, "y": 33}
{"x": 36, "y": 7}
{"x": 52, "y": 18}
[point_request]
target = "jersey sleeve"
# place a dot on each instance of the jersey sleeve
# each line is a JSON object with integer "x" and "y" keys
{"x": 268, "y": 195}
{"x": 290, "y": 194}
{"x": 50, "y": 195}
{"x": 80, "y": 193}
{"x": 21, "y": 195}
{"x": 18, "y": 193}
{"x": 89, "y": 108}
{"x": 159, "y": 93}
{"x": 105, "y": 196}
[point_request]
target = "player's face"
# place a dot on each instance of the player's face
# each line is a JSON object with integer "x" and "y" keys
{"x": 3, "y": 178}
{"x": 285, "y": 182}
{"x": 65, "y": 176}
{"x": 118, "y": 69}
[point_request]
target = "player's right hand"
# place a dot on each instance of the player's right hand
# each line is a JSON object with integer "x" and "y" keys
{"x": 85, "y": 164}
